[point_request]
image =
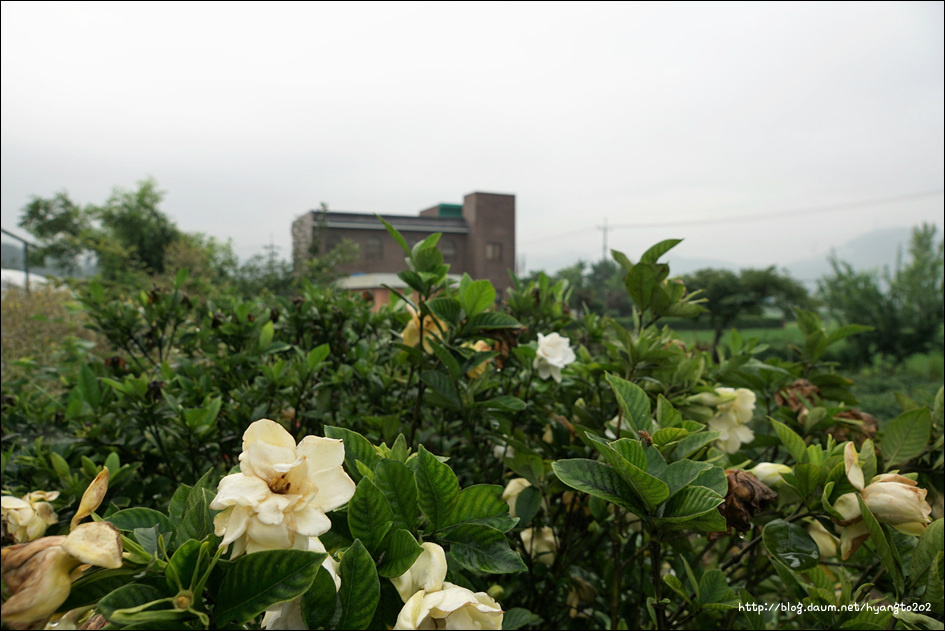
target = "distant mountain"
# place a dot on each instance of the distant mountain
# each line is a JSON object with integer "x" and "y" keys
{"x": 873, "y": 250}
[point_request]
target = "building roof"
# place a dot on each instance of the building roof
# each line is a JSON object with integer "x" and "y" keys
{"x": 368, "y": 221}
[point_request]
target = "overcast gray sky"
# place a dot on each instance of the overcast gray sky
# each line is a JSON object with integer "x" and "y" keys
{"x": 248, "y": 115}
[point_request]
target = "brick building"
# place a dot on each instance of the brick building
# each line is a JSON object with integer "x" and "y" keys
{"x": 478, "y": 238}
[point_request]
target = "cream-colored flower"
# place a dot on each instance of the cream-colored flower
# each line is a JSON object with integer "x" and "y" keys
{"x": 511, "y": 492}
{"x": 892, "y": 499}
{"x": 825, "y": 540}
{"x": 553, "y": 353}
{"x": 38, "y": 573}
{"x": 281, "y": 496}
{"x": 427, "y": 573}
{"x": 452, "y": 607}
{"x": 733, "y": 412}
{"x": 26, "y": 519}
{"x": 481, "y": 346}
{"x": 433, "y": 328}
{"x": 540, "y": 544}
{"x": 769, "y": 473}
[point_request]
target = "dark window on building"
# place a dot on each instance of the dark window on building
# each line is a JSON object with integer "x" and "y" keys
{"x": 448, "y": 248}
{"x": 373, "y": 248}
{"x": 493, "y": 251}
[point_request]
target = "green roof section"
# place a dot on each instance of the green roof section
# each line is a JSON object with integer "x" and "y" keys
{"x": 454, "y": 211}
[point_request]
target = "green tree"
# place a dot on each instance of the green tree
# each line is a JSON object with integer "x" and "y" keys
{"x": 127, "y": 233}
{"x": 904, "y": 308}
{"x": 730, "y": 296}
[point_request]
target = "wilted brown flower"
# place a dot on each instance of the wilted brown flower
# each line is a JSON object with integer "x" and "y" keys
{"x": 791, "y": 395}
{"x": 746, "y": 497}
{"x": 857, "y": 431}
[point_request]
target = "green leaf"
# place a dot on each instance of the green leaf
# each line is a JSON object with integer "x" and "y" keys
{"x": 316, "y": 356}
{"x": 88, "y": 387}
{"x": 482, "y": 549}
{"x": 265, "y": 334}
{"x": 476, "y": 296}
{"x": 438, "y": 488}
{"x": 402, "y": 551}
{"x": 320, "y": 601}
{"x": 398, "y": 484}
{"x": 518, "y": 617}
{"x": 668, "y": 435}
{"x": 369, "y": 515}
{"x": 133, "y": 518}
{"x": 180, "y": 570}
{"x": 93, "y": 587}
{"x": 447, "y": 358}
{"x": 887, "y": 553}
{"x": 503, "y": 403}
{"x": 446, "y": 309}
{"x": 929, "y": 545}
{"x": 651, "y": 490}
{"x": 676, "y": 585}
{"x": 633, "y": 401}
{"x": 689, "y": 503}
{"x": 655, "y": 252}
{"x": 527, "y": 505}
{"x": 357, "y": 447}
{"x": 126, "y": 605}
{"x": 597, "y": 479}
{"x": 679, "y": 474}
{"x": 360, "y": 588}
{"x": 441, "y": 384}
{"x": 791, "y": 441}
{"x": 396, "y": 235}
{"x": 260, "y": 580}
{"x": 481, "y": 503}
{"x": 791, "y": 545}
{"x": 491, "y": 320}
{"x": 692, "y": 443}
{"x": 713, "y": 588}
{"x": 906, "y": 437}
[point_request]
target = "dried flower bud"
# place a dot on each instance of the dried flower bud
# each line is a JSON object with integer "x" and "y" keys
{"x": 92, "y": 498}
{"x": 791, "y": 396}
{"x": 746, "y": 497}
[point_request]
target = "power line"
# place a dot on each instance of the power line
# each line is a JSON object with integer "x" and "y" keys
{"x": 755, "y": 217}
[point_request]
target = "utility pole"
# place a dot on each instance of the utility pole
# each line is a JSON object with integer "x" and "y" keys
{"x": 604, "y": 230}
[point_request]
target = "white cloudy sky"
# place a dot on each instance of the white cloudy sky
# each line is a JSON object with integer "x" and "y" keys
{"x": 640, "y": 114}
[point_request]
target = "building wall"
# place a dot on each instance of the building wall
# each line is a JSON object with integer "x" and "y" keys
{"x": 487, "y": 218}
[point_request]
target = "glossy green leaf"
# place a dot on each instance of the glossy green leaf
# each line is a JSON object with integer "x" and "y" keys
{"x": 260, "y": 580}
{"x": 446, "y": 309}
{"x": 398, "y": 484}
{"x": 491, "y": 320}
{"x": 126, "y": 605}
{"x": 369, "y": 515}
{"x": 929, "y": 545}
{"x": 482, "y": 504}
{"x": 133, "y": 518}
{"x": 887, "y": 553}
{"x": 653, "y": 254}
{"x": 402, "y": 550}
{"x": 518, "y": 617}
{"x": 791, "y": 545}
{"x": 482, "y": 549}
{"x": 441, "y": 384}
{"x": 438, "y": 488}
{"x": 633, "y": 401}
{"x": 689, "y": 503}
{"x": 476, "y": 296}
{"x": 597, "y": 479}
{"x": 320, "y": 601}
{"x": 679, "y": 474}
{"x": 360, "y": 588}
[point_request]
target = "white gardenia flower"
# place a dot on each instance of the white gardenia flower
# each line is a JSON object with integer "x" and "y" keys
{"x": 540, "y": 544}
{"x": 281, "y": 496}
{"x": 452, "y": 607}
{"x": 892, "y": 499}
{"x": 512, "y": 490}
{"x": 769, "y": 473}
{"x": 554, "y": 353}
{"x": 433, "y": 603}
{"x": 26, "y": 519}
{"x": 733, "y": 413}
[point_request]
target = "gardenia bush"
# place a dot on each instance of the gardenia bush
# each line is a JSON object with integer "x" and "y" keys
{"x": 449, "y": 462}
